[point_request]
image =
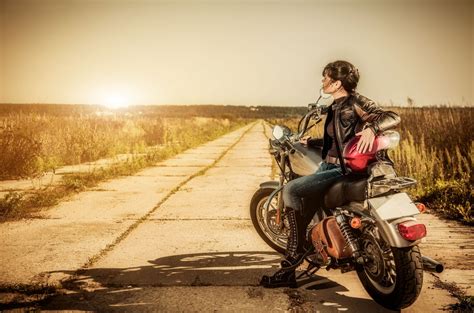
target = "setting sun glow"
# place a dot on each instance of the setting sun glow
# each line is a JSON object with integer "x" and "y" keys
{"x": 115, "y": 101}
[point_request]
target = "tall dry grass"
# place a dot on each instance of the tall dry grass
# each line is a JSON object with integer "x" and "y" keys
{"x": 32, "y": 143}
{"x": 437, "y": 149}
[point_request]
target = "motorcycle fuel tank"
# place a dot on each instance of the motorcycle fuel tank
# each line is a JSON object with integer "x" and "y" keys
{"x": 305, "y": 161}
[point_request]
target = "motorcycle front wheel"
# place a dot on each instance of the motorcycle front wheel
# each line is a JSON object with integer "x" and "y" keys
{"x": 264, "y": 220}
{"x": 394, "y": 276}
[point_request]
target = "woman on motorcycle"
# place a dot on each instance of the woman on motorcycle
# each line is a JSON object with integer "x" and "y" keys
{"x": 351, "y": 114}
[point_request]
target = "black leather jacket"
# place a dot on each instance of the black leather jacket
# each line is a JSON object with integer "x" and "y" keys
{"x": 353, "y": 114}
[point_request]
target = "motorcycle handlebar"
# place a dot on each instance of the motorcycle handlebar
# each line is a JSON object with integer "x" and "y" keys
{"x": 306, "y": 118}
{"x": 315, "y": 114}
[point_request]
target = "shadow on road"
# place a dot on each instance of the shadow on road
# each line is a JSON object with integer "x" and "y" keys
{"x": 105, "y": 289}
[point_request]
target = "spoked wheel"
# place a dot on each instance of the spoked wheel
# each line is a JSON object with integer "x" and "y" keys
{"x": 265, "y": 220}
{"x": 392, "y": 276}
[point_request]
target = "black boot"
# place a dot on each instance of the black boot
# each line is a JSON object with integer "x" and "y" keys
{"x": 294, "y": 255}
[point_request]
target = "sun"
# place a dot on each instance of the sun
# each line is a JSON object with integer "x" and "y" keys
{"x": 115, "y": 101}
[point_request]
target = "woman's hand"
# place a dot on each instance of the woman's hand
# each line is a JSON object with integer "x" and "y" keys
{"x": 304, "y": 140}
{"x": 366, "y": 140}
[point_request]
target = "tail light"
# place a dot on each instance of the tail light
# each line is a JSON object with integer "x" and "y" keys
{"x": 412, "y": 230}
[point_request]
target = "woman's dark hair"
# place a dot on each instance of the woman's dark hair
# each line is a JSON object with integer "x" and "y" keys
{"x": 344, "y": 72}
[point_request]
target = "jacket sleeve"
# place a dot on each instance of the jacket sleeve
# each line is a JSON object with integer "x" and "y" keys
{"x": 315, "y": 142}
{"x": 373, "y": 116}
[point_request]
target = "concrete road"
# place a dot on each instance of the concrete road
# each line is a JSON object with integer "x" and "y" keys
{"x": 196, "y": 250}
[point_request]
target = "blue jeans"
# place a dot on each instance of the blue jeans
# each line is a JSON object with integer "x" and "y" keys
{"x": 307, "y": 186}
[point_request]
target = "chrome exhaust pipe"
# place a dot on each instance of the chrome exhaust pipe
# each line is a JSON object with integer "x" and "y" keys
{"x": 431, "y": 265}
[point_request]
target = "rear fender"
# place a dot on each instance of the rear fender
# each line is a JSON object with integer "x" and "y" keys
{"x": 391, "y": 210}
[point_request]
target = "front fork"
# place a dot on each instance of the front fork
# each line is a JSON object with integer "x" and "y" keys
{"x": 282, "y": 166}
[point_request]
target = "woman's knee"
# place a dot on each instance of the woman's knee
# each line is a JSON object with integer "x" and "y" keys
{"x": 290, "y": 189}
{"x": 289, "y": 194}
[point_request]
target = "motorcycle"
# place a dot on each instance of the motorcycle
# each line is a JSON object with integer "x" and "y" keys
{"x": 363, "y": 222}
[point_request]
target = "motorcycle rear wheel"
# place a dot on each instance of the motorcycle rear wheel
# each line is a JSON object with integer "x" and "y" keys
{"x": 265, "y": 221}
{"x": 408, "y": 275}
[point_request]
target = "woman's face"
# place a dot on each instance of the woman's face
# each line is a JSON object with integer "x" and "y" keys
{"x": 329, "y": 85}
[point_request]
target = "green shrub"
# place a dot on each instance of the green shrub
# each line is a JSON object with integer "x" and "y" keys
{"x": 11, "y": 203}
{"x": 452, "y": 199}
{"x": 19, "y": 154}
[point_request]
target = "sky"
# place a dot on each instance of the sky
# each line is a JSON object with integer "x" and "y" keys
{"x": 121, "y": 52}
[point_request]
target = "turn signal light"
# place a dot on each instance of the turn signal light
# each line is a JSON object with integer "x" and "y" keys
{"x": 356, "y": 222}
{"x": 421, "y": 207}
{"x": 412, "y": 230}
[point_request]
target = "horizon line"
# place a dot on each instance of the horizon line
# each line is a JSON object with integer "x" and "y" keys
{"x": 236, "y": 105}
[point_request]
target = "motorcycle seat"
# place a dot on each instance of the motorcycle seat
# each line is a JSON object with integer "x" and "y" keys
{"x": 349, "y": 188}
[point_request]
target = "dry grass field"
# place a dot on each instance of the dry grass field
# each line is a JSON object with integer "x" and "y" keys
{"x": 33, "y": 143}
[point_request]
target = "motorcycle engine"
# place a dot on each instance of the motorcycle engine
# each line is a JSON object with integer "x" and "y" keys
{"x": 327, "y": 238}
